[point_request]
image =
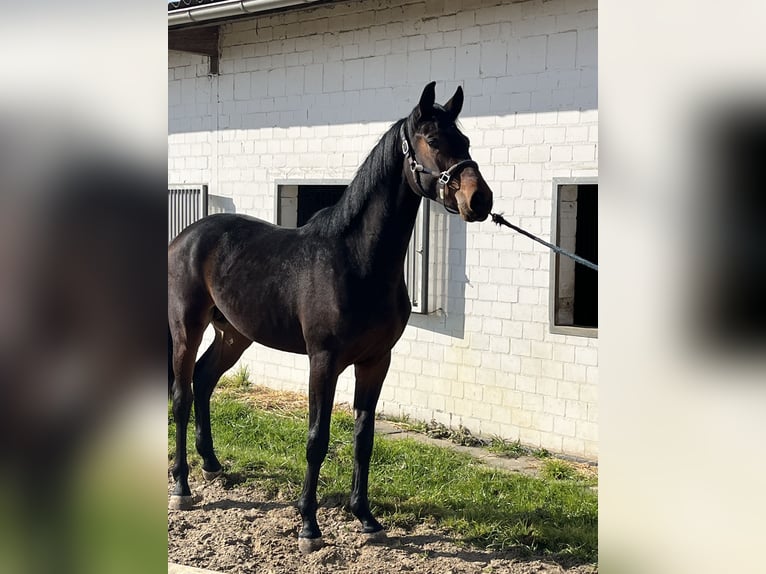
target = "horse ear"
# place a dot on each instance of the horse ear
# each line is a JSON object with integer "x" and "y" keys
{"x": 455, "y": 104}
{"x": 427, "y": 99}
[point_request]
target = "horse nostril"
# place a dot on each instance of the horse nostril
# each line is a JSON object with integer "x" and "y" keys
{"x": 480, "y": 203}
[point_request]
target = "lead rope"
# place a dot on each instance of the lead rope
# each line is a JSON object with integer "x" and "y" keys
{"x": 500, "y": 220}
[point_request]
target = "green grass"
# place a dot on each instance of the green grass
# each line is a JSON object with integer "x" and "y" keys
{"x": 239, "y": 379}
{"x": 556, "y": 469}
{"x": 411, "y": 483}
{"x": 514, "y": 449}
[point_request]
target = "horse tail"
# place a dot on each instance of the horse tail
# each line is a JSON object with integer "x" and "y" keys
{"x": 171, "y": 376}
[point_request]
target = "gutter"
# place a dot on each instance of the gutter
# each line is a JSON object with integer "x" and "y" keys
{"x": 227, "y": 9}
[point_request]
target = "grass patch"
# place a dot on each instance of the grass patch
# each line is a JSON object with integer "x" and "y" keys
{"x": 410, "y": 483}
{"x": 561, "y": 470}
{"x": 404, "y": 422}
{"x": 514, "y": 449}
{"x": 239, "y": 379}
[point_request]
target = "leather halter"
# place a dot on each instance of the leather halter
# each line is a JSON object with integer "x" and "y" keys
{"x": 444, "y": 177}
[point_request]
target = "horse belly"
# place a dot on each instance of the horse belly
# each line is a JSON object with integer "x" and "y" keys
{"x": 271, "y": 330}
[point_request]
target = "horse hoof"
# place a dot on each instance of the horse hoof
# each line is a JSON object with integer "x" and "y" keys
{"x": 211, "y": 475}
{"x": 178, "y": 502}
{"x": 373, "y": 537}
{"x": 309, "y": 545}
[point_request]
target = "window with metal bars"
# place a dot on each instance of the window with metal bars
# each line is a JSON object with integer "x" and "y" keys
{"x": 186, "y": 204}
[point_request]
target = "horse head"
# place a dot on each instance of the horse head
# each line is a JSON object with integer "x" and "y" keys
{"x": 439, "y": 164}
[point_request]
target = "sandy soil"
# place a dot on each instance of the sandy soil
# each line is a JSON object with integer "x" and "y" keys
{"x": 239, "y": 529}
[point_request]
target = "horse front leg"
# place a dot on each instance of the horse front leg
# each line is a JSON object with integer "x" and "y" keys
{"x": 323, "y": 376}
{"x": 369, "y": 381}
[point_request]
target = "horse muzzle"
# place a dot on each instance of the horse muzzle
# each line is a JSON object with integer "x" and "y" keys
{"x": 474, "y": 202}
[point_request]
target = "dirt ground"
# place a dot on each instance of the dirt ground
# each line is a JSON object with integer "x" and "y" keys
{"x": 239, "y": 530}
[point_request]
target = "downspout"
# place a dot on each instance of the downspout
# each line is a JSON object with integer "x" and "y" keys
{"x": 220, "y": 10}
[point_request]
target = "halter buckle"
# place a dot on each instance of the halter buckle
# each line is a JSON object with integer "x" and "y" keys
{"x": 405, "y": 146}
{"x": 445, "y": 177}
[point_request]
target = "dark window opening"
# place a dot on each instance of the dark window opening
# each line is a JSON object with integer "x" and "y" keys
{"x": 576, "y": 286}
{"x": 298, "y": 203}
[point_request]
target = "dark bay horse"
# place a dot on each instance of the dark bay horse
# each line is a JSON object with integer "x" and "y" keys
{"x": 332, "y": 289}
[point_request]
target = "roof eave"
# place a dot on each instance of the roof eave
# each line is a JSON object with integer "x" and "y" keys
{"x": 227, "y": 9}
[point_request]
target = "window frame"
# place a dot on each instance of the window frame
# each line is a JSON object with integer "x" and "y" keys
{"x": 590, "y": 332}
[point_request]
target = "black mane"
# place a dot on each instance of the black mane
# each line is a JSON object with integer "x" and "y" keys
{"x": 381, "y": 169}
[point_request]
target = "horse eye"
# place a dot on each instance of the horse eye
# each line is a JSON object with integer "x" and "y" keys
{"x": 433, "y": 142}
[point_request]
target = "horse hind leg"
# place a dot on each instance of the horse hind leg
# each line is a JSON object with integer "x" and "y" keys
{"x": 187, "y": 336}
{"x": 223, "y": 353}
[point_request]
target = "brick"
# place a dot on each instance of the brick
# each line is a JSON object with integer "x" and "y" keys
{"x": 577, "y": 134}
{"x": 587, "y": 430}
{"x": 242, "y": 86}
{"x": 443, "y": 63}
{"x": 499, "y": 155}
{"x": 586, "y": 356}
{"x": 576, "y": 410}
{"x": 587, "y": 48}
{"x": 466, "y": 373}
{"x": 499, "y": 344}
{"x": 530, "y": 437}
{"x": 518, "y": 154}
{"x": 481, "y": 411}
{"x": 542, "y": 422}
{"x": 529, "y": 295}
{"x": 546, "y": 386}
{"x": 395, "y": 69}
{"x": 551, "y": 442}
{"x": 561, "y": 153}
{"x": 553, "y": 369}
{"x": 531, "y": 366}
{"x": 589, "y": 393}
{"x": 276, "y": 82}
{"x": 313, "y": 78}
{"x": 418, "y": 67}
{"x": 561, "y": 51}
{"x": 584, "y": 152}
{"x": 554, "y": 406}
{"x": 569, "y": 390}
{"x": 294, "y": 78}
{"x": 332, "y": 78}
{"x": 565, "y": 427}
{"x": 353, "y": 74}
{"x": 467, "y": 61}
{"x": 540, "y": 153}
{"x": 576, "y": 373}
{"x": 436, "y": 402}
{"x": 374, "y": 72}
{"x": 493, "y": 59}
{"x": 530, "y": 56}
{"x": 542, "y": 350}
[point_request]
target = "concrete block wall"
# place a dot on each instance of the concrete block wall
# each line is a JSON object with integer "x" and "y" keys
{"x": 304, "y": 95}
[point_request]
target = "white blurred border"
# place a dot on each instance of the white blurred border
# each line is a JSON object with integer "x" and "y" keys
{"x": 682, "y": 466}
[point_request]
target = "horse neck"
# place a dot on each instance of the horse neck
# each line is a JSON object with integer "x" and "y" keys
{"x": 382, "y": 238}
{"x": 379, "y": 211}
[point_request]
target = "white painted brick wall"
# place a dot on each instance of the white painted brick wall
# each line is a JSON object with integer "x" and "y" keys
{"x": 306, "y": 98}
